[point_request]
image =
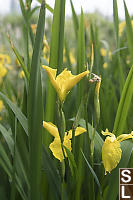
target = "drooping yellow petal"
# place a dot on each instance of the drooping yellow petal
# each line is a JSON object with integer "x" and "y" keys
{"x": 52, "y": 75}
{"x": 125, "y": 137}
{"x": 51, "y": 128}
{"x": 78, "y": 131}
{"x": 111, "y": 154}
{"x": 73, "y": 80}
{"x": 56, "y": 149}
{"x": 51, "y": 72}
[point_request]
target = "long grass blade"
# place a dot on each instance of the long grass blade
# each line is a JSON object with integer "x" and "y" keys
{"x": 116, "y": 21}
{"x": 35, "y": 110}
{"x": 56, "y": 56}
{"x": 52, "y": 174}
{"x": 124, "y": 104}
{"x": 75, "y": 20}
{"x": 129, "y": 32}
{"x": 81, "y": 54}
{"x": 93, "y": 173}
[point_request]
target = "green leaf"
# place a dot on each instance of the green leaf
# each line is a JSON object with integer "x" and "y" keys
{"x": 50, "y": 8}
{"x": 56, "y": 57}
{"x": 93, "y": 173}
{"x": 129, "y": 32}
{"x": 51, "y": 173}
{"x": 23, "y": 8}
{"x": 124, "y": 104}
{"x": 116, "y": 21}
{"x": 81, "y": 45}
{"x": 95, "y": 41}
{"x": 7, "y": 167}
{"x": 5, "y": 162}
{"x": 57, "y": 38}
{"x": 20, "y": 60}
{"x": 47, "y": 6}
{"x": 98, "y": 141}
{"x": 75, "y": 19}
{"x": 113, "y": 188}
{"x": 26, "y": 20}
{"x": 33, "y": 11}
{"x": 72, "y": 162}
{"x": 21, "y": 189}
{"x": 81, "y": 55}
{"x": 19, "y": 115}
{"x": 13, "y": 185}
{"x": 8, "y": 138}
{"x": 35, "y": 110}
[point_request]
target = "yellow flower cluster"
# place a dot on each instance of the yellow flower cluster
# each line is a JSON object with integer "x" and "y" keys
{"x": 55, "y": 146}
{"x": 111, "y": 150}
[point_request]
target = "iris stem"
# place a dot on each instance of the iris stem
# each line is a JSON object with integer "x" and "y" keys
{"x": 61, "y": 127}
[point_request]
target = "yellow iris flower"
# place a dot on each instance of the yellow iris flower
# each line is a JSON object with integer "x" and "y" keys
{"x": 55, "y": 146}
{"x": 111, "y": 150}
{"x": 64, "y": 82}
